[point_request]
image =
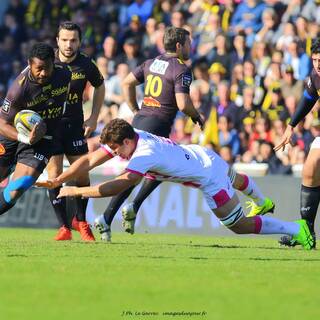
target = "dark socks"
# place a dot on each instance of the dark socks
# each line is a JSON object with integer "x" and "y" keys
{"x": 309, "y": 202}
{"x": 81, "y": 204}
{"x": 147, "y": 187}
{"x": 114, "y": 205}
{"x": 59, "y": 207}
{"x": 4, "y": 206}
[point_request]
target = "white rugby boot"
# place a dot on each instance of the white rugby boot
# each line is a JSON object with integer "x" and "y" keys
{"x": 129, "y": 218}
{"x": 103, "y": 228}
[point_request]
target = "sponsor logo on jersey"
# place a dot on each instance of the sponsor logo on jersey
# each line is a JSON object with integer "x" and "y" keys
{"x": 151, "y": 102}
{"x": 186, "y": 80}
{"x": 6, "y": 106}
{"x": 51, "y": 113}
{"x": 2, "y": 149}
{"x": 78, "y": 76}
{"x": 159, "y": 66}
{"x": 58, "y": 91}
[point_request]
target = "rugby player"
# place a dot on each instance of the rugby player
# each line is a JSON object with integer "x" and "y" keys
{"x": 310, "y": 187}
{"x": 192, "y": 165}
{"x": 41, "y": 87}
{"x": 74, "y": 129}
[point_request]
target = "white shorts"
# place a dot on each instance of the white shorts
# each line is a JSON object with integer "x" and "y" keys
{"x": 218, "y": 190}
{"x": 315, "y": 144}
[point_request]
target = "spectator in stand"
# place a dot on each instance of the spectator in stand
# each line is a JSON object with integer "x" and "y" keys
{"x": 275, "y": 165}
{"x": 141, "y": 8}
{"x": 285, "y": 34}
{"x": 134, "y": 30}
{"x": 228, "y": 136}
{"x": 261, "y": 130}
{"x": 248, "y": 18}
{"x": 298, "y": 59}
{"x": 276, "y": 109}
{"x": 240, "y": 53}
{"x": 206, "y": 39}
{"x": 221, "y": 54}
{"x": 177, "y": 19}
{"x": 261, "y": 57}
{"x": 131, "y": 55}
{"x": 249, "y": 109}
{"x": 224, "y": 106}
{"x": 225, "y": 153}
{"x": 311, "y": 10}
{"x": 289, "y": 85}
{"x": 148, "y": 44}
{"x": 110, "y": 52}
{"x": 269, "y": 23}
{"x": 216, "y": 74}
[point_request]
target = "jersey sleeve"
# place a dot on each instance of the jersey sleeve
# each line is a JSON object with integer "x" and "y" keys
{"x": 93, "y": 74}
{"x": 13, "y": 102}
{"x": 183, "y": 81}
{"x": 138, "y": 72}
{"x": 310, "y": 90}
{"x": 107, "y": 150}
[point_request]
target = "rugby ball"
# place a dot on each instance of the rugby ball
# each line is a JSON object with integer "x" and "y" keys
{"x": 25, "y": 120}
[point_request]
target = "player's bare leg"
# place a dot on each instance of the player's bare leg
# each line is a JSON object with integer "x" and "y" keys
{"x": 23, "y": 178}
{"x": 232, "y": 216}
{"x": 260, "y": 204}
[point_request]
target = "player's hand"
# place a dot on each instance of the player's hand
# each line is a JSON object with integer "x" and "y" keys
{"x": 68, "y": 192}
{"x": 33, "y": 136}
{"x": 89, "y": 126}
{"x": 199, "y": 120}
{"x": 49, "y": 184}
{"x": 286, "y": 138}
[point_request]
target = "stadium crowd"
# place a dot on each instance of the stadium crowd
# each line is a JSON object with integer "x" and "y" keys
{"x": 249, "y": 59}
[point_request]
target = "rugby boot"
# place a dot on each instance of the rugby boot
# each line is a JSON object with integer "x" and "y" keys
{"x": 63, "y": 234}
{"x": 288, "y": 241}
{"x": 85, "y": 231}
{"x": 129, "y": 218}
{"x": 103, "y": 228}
{"x": 268, "y": 206}
{"x": 304, "y": 236}
{"x": 75, "y": 224}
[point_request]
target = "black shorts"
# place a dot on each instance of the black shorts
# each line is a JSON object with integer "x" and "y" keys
{"x": 35, "y": 156}
{"x": 152, "y": 124}
{"x": 71, "y": 139}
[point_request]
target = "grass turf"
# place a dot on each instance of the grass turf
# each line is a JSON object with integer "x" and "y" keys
{"x": 217, "y": 278}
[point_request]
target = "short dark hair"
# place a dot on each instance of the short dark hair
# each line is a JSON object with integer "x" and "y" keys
{"x": 71, "y": 26}
{"x": 42, "y": 51}
{"x": 116, "y": 131}
{"x": 315, "y": 47}
{"x": 172, "y": 36}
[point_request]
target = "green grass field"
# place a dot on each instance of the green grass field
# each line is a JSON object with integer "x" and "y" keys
{"x": 217, "y": 278}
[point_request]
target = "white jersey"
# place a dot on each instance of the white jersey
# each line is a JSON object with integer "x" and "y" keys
{"x": 192, "y": 165}
{"x": 162, "y": 159}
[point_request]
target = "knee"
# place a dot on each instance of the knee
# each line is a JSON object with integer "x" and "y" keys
{"x": 15, "y": 189}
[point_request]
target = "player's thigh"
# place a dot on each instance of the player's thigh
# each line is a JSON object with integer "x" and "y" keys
{"x": 22, "y": 179}
{"x": 55, "y": 166}
{"x": 74, "y": 142}
{"x": 311, "y": 168}
{"x": 83, "y": 178}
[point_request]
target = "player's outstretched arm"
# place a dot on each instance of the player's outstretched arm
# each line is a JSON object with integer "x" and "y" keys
{"x": 83, "y": 164}
{"x": 106, "y": 189}
{"x": 286, "y": 138}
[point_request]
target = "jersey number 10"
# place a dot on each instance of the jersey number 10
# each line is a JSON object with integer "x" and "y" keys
{"x": 153, "y": 86}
